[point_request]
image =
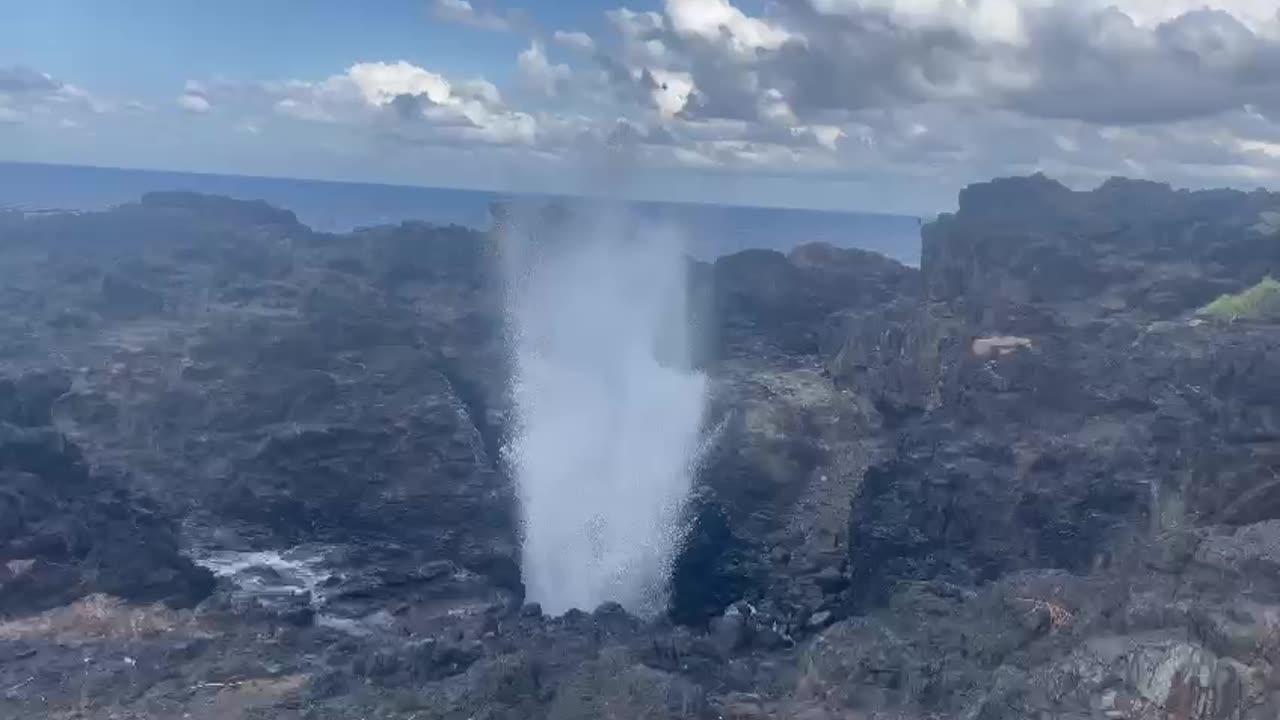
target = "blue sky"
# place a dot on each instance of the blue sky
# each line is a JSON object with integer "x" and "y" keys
{"x": 146, "y": 48}
{"x": 885, "y": 105}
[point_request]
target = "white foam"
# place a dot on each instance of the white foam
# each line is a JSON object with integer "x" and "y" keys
{"x": 293, "y": 572}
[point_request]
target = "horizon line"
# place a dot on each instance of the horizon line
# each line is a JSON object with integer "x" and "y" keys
{"x": 468, "y": 189}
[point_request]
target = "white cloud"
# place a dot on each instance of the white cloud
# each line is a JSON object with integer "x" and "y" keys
{"x": 538, "y": 73}
{"x": 634, "y": 24}
{"x": 718, "y": 20}
{"x": 931, "y": 93}
{"x": 303, "y": 110}
{"x": 575, "y": 40}
{"x": 27, "y": 95}
{"x": 194, "y": 103}
{"x": 1084, "y": 59}
{"x": 828, "y": 136}
{"x": 950, "y": 91}
{"x": 985, "y": 20}
{"x": 403, "y": 101}
{"x": 464, "y": 13}
{"x": 380, "y": 83}
{"x": 1259, "y": 15}
{"x": 478, "y": 89}
{"x": 671, "y": 91}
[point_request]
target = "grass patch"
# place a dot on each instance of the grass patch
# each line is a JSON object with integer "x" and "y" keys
{"x": 1260, "y": 302}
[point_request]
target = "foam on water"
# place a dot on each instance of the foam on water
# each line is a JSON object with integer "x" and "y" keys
{"x": 278, "y": 578}
{"x": 298, "y": 571}
{"x": 609, "y": 409}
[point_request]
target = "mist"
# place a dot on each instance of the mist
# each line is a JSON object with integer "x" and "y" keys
{"x": 609, "y": 407}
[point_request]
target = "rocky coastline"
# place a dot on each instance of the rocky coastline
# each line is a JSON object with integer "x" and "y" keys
{"x": 250, "y": 470}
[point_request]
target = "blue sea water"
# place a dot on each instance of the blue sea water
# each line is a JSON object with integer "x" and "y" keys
{"x": 712, "y": 230}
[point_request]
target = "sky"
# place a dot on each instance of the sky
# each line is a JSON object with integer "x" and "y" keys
{"x": 874, "y": 105}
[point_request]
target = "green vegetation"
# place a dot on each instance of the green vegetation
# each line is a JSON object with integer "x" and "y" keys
{"x": 1260, "y": 302}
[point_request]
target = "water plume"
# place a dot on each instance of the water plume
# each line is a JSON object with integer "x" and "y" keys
{"x": 609, "y": 407}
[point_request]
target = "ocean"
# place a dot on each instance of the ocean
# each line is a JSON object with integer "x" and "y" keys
{"x": 712, "y": 230}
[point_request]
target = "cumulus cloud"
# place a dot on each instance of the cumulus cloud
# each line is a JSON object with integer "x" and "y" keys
{"x": 464, "y": 13}
{"x": 194, "y": 103}
{"x": 27, "y": 95}
{"x": 538, "y": 73}
{"x": 1083, "y": 60}
{"x": 718, "y": 21}
{"x": 636, "y": 25}
{"x": 398, "y": 100}
{"x": 958, "y": 89}
{"x": 195, "y": 98}
{"x": 1260, "y": 15}
{"x": 670, "y": 90}
{"x": 934, "y": 93}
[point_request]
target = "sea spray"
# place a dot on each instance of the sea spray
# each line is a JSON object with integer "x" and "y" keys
{"x": 609, "y": 408}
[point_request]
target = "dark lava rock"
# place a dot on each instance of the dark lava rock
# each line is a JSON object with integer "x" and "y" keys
{"x": 729, "y": 632}
{"x": 969, "y": 511}
{"x": 709, "y": 573}
{"x": 66, "y": 532}
{"x": 767, "y": 304}
{"x": 613, "y": 687}
{"x": 125, "y": 298}
{"x": 1019, "y": 245}
{"x": 1026, "y": 480}
{"x": 419, "y": 661}
{"x": 239, "y": 213}
{"x": 26, "y": 401}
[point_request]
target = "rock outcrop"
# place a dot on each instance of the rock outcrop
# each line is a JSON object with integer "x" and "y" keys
{"x": 66, "y": 531}
{"x": 1029, "y": 479}
{"x": 1058, "y": 406}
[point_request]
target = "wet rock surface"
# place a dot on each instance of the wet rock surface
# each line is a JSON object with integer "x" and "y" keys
{"x": 248, "y": 470}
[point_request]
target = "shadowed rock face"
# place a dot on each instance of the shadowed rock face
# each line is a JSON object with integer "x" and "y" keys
{"x": 1028, "y": 254}
{"x": 789, "y": 443}
{"x": 67, "y": 532}
{"x": 1108, "y": 438}
{"x": 771, "y": 307}
{"x": 287, "y": 387}
{"x": 1023, "y": 481}
{"x": 1109, "y": 414}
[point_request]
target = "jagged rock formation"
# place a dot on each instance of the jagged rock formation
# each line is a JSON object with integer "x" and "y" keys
{"x": 1026, "y": 480}
{"x": 288, "y": 387}
{"x": 66, "y": 532}
{"x": 791, "y": 443}
{"x": 1069, "y": 441}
